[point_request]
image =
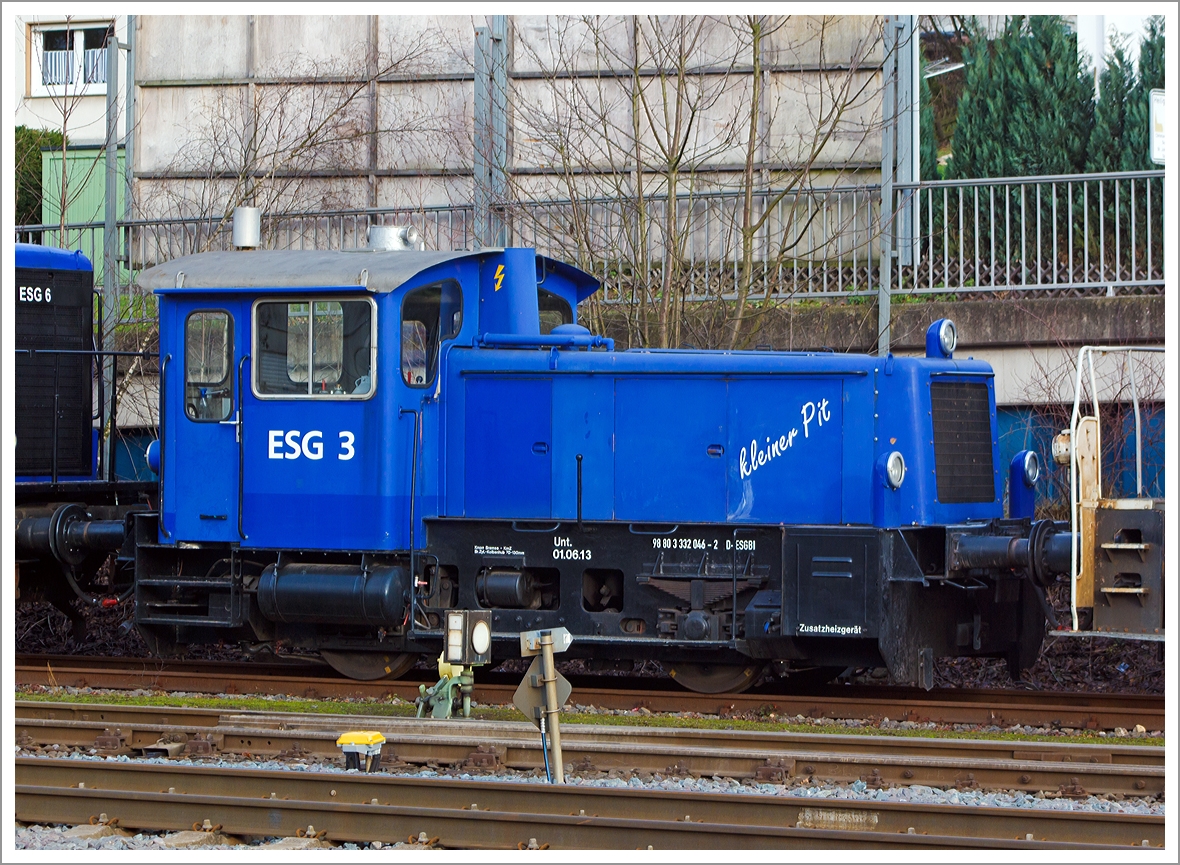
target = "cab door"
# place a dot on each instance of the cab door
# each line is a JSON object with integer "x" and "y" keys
{"x": 431, "y": 317}
{"x": 313, "y": 428}
{"x": 202, "y": 457}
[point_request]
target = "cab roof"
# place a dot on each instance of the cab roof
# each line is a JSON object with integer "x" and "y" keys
{"x": 35, "y": 256}
{"x": 373, "y": 270}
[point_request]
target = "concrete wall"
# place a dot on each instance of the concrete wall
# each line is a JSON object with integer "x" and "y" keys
{"x": 570, "y": 92}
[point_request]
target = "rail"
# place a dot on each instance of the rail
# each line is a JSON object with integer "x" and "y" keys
{"x": 506, "y": 815}
{"x": 1060, "y": 235}
{"x": 957, "y": 706}
{"x": 593, "y": 750}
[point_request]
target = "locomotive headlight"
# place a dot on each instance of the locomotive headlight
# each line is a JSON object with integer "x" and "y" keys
{"x": 941, "y": 339}
{"x": 481, "y": 638}
{"x": 1032, "y": 468}
{"x": 895, "y": 469}
{"x": 948, "y": 337}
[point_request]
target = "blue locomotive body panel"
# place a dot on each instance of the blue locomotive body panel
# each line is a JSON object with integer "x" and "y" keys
{"x": 702, "y": 437}
{"x": 769, "y": 438}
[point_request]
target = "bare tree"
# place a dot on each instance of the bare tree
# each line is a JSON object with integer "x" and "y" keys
{"x": 843, "y": 88}
{"x": 631, "y": 114}
{"x": 636, "y": 120}
{"x": 297, "y": 143}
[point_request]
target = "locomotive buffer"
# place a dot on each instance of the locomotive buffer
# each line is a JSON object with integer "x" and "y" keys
{"x": 544, "y": 691}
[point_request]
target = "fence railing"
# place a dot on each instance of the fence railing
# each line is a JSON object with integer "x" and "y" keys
{"x": 1068, "y": 235}
{"x": 779, "y": 245}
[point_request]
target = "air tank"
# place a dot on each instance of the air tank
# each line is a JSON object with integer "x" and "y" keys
{"x": 334, "y": 594}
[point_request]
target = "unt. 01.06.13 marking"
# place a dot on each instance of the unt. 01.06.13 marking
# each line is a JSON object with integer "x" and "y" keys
{"x": 564, "y": 550}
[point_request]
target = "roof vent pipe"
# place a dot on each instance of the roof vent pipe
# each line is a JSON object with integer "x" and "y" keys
{"x": 395, "y": 237}
{"x": 247, "y": 227}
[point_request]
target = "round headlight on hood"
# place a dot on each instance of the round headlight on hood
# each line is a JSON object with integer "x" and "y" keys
{"x": 895, "y": 469}
{"x": 941, "y": 339}
{"x": 1032, "y": 468}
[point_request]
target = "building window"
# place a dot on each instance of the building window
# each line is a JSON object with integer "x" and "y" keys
{"x": 315, "y": 348}
{"x": 94, "y": 54}
{"x": 71, "y": 60}
{"x": 57, "y": 59}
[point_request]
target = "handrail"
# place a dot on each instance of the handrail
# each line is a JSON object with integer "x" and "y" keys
{"x": 160, "y": 497}
{"x": 1032, "y": 179}
{"x": 241, "y": 436}
{"x": 600, "y": 199}
{"x": 564, "y": 340}
{"x": 1061, "y": 233}
{"x": 1086, "y": 354}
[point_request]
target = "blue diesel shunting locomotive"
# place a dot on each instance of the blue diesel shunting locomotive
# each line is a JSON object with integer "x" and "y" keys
{"x": 355, "y": 441}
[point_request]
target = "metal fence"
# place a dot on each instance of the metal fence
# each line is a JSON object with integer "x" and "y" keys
{"x": 777, "y": 245}
{"x": 1068, "y": 235}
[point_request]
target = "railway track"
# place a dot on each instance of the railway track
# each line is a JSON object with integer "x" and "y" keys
{"x": 1002, "y": 708}
{"x": 1060, "y": 768}
{"x": 475, "y": 814}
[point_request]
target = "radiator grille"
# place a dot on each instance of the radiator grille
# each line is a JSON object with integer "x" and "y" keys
{"x": 962, "y": 442}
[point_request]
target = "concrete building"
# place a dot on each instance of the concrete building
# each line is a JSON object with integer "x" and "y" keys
{"x": 337, "y": 111}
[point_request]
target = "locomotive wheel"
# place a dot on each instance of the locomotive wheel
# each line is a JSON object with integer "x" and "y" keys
{"x": 715, "y": 678}
{"x": 368, "y": 666}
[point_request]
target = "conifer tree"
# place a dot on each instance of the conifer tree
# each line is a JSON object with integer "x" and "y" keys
{"x": 928, "y": 145}
{"x": 1027, "y": 106}
{"x": 1116, "y": 86}
{"x": 1136, "y": 153}
{"x": 976, "y": 146}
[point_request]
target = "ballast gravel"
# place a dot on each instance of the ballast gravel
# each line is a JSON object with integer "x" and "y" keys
{"x": 37, "y": 837}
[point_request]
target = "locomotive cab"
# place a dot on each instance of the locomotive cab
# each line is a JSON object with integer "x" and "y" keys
{"x": 296, "y": 388}
{"x": 354, "y": 442}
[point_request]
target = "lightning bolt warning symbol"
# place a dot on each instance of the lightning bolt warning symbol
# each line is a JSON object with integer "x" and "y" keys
{"x": 499, "y": 276}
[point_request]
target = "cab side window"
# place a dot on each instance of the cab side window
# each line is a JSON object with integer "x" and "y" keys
{"x": 208, "y": 367}
{"x": 430, "y": 315}
{"x": 554, "y": 310}
{"x": 315, "y": 348}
